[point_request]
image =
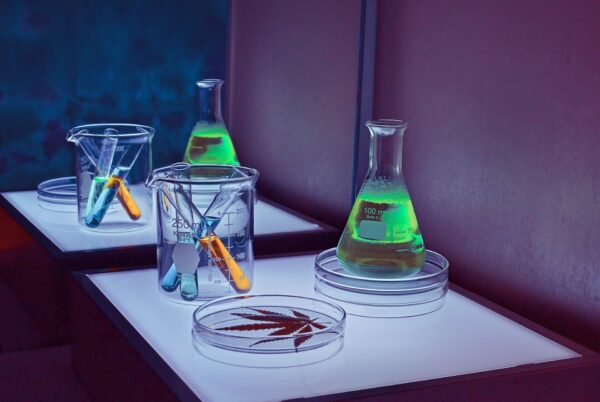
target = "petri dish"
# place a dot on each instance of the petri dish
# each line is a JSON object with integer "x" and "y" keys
{"x": 59, "y": 195}
{"x": 414, "y": 295}
{"x": 268, "y": 330}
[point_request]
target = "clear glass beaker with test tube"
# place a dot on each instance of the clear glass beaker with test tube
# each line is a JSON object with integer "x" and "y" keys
{"x": 112, "y": 163}
{"x": 205, "y": 217}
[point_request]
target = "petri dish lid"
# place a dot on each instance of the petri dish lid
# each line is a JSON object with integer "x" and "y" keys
{"x": 58, "y": 194}
{"x": 268, "y": 330}
{"x": 421, "y": 293}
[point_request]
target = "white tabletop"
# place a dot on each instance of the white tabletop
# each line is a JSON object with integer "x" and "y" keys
{"x": 463, "y": 337}
{"x": 67, "y": 235}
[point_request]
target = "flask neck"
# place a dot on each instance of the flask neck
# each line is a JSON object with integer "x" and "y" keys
{"x": 385, "y": 154}
{"x": 210, "y": 101}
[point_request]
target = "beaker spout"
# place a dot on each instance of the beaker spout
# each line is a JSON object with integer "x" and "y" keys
{"x": 154, "y": 181}
{"x": 75, "y": 134}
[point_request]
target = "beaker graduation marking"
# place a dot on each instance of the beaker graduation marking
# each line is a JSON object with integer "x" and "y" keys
{"x": 226, "y": 263}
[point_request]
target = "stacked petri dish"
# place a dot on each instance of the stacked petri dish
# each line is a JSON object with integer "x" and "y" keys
{"x": 418, "y": 294}
{"x": 59, "y": 195}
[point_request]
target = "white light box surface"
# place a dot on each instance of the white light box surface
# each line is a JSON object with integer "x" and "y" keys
{"x": 68, "y": 236}
{"x": 463, "y": 337}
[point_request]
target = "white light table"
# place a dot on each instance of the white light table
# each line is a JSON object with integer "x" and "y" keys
{"x": 62, "y": 234}
{"x": 466, "y": 340}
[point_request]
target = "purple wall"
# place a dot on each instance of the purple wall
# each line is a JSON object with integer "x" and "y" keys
{"x": 502, "y": 155}
{"x": 292, "y": 99}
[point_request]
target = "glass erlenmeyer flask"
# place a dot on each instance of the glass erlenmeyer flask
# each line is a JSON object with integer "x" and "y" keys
{"x": 209, "y": 141}
{"x": 382, "y": 238}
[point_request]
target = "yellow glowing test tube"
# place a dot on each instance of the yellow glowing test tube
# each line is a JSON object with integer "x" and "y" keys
{"x": 227, "y": 265}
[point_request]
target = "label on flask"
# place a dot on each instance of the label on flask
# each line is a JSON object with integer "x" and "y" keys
{"x": 372, "y": 230}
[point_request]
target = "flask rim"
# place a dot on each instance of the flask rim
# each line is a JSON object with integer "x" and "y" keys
{"x": 209, "y": 82}
{"x": 387, "y": 123}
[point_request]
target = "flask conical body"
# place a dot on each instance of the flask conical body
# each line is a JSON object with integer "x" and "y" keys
{"x": 210, "y": 142}
{"x": 382, "y": 237}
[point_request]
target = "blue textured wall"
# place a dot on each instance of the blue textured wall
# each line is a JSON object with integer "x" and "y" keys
{"x": 74, "y": 62}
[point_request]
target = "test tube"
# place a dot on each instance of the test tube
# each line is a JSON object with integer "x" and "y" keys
{"x": 219, "y": 253}
{"x": 103, "y": 202}
{"x": 189, "y": 286}
{"x": 226, "y": 263}
{"x": 126, "y": 161}
{"x": 170, "y": 281}
{"x": 128, "y": 203}
{"x": 107, "y": 152}
{"x": 205, "y": 238}
{"x": 97, "y": 185}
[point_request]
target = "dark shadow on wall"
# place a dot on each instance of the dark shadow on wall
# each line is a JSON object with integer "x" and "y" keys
{"x": 77, "y": 62}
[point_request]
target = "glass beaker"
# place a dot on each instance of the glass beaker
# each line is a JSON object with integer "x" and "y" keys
{"x": 112, "y": 163}
{"x": 210, "y": 142}
{"x": 205, "y": 221}
{"x": 382, "y": 238}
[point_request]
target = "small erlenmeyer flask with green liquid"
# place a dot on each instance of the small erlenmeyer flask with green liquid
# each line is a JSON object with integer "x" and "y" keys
{"x": 382, "y": 238}
{"x": 209, "y": 141}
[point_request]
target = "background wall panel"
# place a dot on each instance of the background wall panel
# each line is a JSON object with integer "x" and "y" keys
{"x": 74, "y": 62}
{"x": 292, "y": 90}
{"x": 502, "y": 153}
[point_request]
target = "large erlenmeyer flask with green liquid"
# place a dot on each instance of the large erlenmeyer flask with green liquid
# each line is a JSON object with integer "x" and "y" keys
{"x": 209, "y": 141}
{"x": 382, "y": 238}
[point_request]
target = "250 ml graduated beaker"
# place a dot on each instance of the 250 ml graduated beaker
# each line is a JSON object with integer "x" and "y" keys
{"x": 205, "y": 220}
{"x": 112, "y": 163}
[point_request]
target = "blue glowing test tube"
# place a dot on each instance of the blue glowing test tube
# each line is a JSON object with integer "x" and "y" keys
{"x": 103, "y": 202}
{"x": 107, "y": 153}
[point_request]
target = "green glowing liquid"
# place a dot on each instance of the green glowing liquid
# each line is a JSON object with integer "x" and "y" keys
{"x": 210, "y": 144}
{"x": 382, "y": 237}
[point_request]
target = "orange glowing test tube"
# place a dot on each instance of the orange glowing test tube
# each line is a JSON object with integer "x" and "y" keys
{"x": 127, "y": 201}
{"x": 226, "y": 263}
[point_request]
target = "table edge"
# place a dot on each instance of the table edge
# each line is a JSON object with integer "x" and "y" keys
{"x": 55, "y": 251}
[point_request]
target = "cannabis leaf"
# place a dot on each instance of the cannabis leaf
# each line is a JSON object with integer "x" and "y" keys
{"x": 283, "y": 324}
